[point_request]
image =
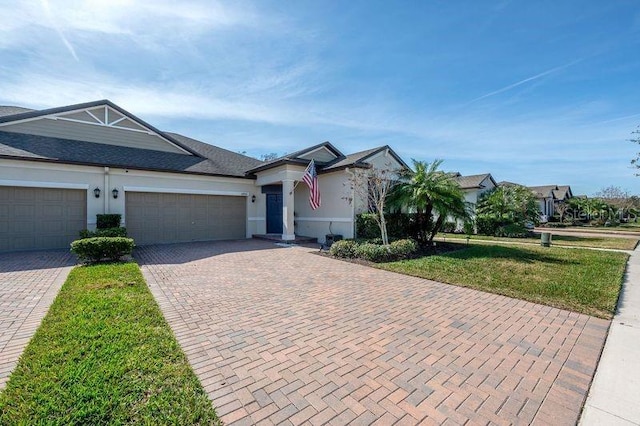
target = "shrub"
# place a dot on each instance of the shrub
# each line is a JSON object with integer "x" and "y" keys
{"x": 487, "y": 225}
{"x": 104, "y": 221}
{"x": 107, "y": 232}
{"x": 449, "y": 227}
{"x": 373, "y": 252}
{"x": 96, "y": 249}
{"x": 366, "y": 226}
{"x": 344, "y": 249}
{"x": 403, "y": 249}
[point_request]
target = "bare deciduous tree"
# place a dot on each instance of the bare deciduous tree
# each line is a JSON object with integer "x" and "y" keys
{"x": 372, "y": 186}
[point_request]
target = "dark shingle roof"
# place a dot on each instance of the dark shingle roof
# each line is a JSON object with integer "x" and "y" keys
{"x": 472, "y": 181}
{"x": 543, "y": 191}
{"x": 42, "y": 148}
{"x": 562, "y": 192}
{"x": 12, "y": 110}
{"x": 295, "y": 157}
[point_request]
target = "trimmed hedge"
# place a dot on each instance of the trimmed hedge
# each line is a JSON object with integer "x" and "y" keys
{"x": 403, "y": 249}
{"x": 95, "y": 249}
{"x": 348, "y": 249}
{"x": 107, "y": 232}
{"x": 104, "y": 221}
{"x": 344, "y": 249}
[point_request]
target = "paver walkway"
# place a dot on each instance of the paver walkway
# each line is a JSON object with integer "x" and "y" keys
{"x": 29, "y": 281}
{"x": 284, "y": 336}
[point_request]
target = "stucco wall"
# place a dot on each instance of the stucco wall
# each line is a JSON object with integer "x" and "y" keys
{"x": 28, "y": 173}
{"x": 335, "y": 213}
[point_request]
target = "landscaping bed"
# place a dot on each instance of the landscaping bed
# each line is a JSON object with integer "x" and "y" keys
{"x": 104, "y": 355}
{"x": 584, "y": 281}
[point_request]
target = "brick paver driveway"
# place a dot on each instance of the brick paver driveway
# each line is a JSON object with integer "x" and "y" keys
{"x": 29, "y": 282}
{"x": 284, "y": 336}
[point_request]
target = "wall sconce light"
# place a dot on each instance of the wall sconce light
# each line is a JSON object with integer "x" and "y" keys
{"x": 96, "y": 192}
{"x": 115, "y": 192}
{"x": 253, "y": 198}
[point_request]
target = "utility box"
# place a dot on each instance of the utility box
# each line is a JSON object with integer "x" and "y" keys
{"x": 545, "y": 239}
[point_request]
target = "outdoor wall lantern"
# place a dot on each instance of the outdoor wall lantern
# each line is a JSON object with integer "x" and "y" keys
{"x": 96, "y": 192}
{"x": 253, "y": 198}
{"x": 115, "y": 192}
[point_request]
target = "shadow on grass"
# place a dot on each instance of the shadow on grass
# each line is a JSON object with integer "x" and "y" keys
{"x": 518, "y": 254}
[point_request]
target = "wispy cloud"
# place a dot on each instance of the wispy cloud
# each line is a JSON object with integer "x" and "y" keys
{"x": 53, "y": 22}
{"x": 524, "y": 81}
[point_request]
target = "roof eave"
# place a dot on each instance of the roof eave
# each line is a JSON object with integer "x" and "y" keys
{"x": 121, "y": 166}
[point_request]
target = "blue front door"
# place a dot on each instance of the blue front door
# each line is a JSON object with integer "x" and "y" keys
{"x": 274, "y": 213}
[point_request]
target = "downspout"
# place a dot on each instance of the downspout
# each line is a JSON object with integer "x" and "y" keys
{"x": 353, "y": 202}
{"x": 106, "y": 190}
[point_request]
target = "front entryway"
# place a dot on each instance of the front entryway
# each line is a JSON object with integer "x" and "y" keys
{"x": 274, "y": 213}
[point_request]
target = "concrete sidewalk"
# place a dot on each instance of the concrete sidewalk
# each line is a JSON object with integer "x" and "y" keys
{"x": 614, "y": 395}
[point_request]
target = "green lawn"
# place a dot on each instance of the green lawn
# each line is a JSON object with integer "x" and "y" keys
{"x": 585, "y": 281}
{"x": 564, "y": 240}
{"x": 104, "y": 355}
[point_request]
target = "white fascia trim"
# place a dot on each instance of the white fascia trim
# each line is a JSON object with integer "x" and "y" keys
{"x": 324, "y": 219}
{"x": 256, "y": 219}
{"x": 184, "y": 191}
{"x": 34, "y": 184}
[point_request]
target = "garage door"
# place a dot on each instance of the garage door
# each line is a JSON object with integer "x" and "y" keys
{"x": 40, "y": 218}
{"x": 170, "y": 218}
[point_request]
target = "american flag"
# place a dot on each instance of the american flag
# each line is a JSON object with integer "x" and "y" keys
{"x": 311, "y": 179}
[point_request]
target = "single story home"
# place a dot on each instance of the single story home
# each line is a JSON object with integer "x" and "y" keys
{"x": 548, "y": 197}
{"x": 474, "y": 186}
{"x": 60, "y": 167}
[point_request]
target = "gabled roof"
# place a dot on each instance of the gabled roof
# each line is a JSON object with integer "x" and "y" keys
{"x": 295, "y": 157}
{"x": 473, "y": 181}
{"x": 359, "y": 159}
{"x": 543, "y": 191}
{"x": 31, "y": 114}
{"x": 563, "y": 192}
{"x": 12, "y": 110}
{"x": 507, "y": 183}
{"x": 209, "y": 161}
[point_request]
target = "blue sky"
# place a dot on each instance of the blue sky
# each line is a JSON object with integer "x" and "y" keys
{"x": 533, "y": 92}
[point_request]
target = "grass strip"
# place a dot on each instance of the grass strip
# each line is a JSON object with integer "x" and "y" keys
{"x": 584, "y": 281}
{"x": 628, "y": 243}
{"x": 104, "y": 355}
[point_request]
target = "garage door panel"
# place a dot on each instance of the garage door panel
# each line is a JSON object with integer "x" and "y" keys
{"x": 169, "y": 217}
{"x": 40, "y": 218}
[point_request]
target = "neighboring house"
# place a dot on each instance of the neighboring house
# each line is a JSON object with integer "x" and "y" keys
{"x": 60, "y": 167}
{"x": 562, "y": 194}
{"x": 548, "y": 197}
{"x": 474, "y": 186}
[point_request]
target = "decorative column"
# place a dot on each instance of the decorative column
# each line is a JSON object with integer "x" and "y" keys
{"x": 287, "y": 210}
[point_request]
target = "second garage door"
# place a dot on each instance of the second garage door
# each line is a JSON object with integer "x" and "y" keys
{"x": 170, "y": 218}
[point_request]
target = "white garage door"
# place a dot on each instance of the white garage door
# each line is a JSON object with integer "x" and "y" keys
{"x": 170, "y": 218}
{"x": 40, "y": 218}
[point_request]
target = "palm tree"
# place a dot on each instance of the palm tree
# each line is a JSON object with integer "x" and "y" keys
{"x": 433, "y": 194}
{"x": 509, "y": 205}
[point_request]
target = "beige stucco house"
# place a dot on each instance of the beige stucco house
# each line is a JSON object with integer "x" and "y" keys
{"x": 60, "y": 167}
